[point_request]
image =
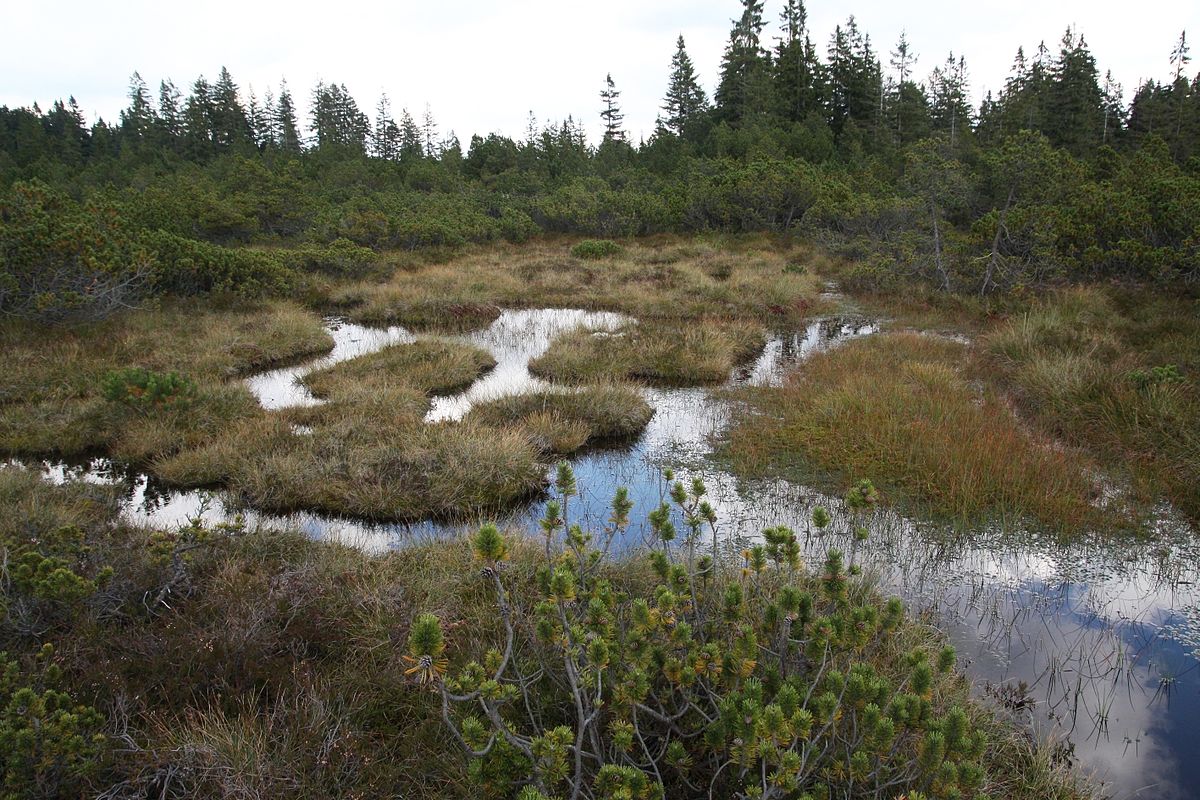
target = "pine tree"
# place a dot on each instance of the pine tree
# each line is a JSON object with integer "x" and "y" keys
{"x": 611, "y": 112}
{"x": 685, "y": 100}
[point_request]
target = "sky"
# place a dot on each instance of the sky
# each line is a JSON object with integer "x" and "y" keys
{"x": 484, "y": 66}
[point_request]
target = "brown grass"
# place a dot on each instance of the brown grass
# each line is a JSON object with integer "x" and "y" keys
{"x": 664, "y": 352}
{"x": 747, "y": 277}
{"x": 898, "y": 409}
{"x": 431, "y": 366}
{"x": 564, "y": 421}
{"x": 50, "y": 390}
{"x": 1070, "y": 362}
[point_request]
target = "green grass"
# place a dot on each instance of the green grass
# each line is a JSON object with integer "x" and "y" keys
{"x": 564, "y": 421}
{"x": 898, "y": 407}
{"x": 665, "y": 352}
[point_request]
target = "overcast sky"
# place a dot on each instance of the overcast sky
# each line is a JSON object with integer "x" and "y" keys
{"x": 483, "y": 66}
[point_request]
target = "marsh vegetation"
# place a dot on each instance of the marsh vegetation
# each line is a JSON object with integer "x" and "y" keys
{"x": 401, "y": 438}
{"x": 837, "y": 441}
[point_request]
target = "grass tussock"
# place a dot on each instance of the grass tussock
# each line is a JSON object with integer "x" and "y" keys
{"x": 356, "y": 468}
{"x": 273, "y": 667}
{"x": 1094, "y": 367}
{"x": 748, "y": 278}
{"x": 667, "y": 352}
{"x": 431, "y": 366}
{"x": 899, "y": 408}
{"x": 564, "y": 421}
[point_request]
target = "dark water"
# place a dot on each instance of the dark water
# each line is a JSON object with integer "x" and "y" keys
{"x": 1093, "y": 644}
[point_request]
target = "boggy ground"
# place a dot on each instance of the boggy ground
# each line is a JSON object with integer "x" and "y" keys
{"x": 230, "y": 664}
{"x": 1053, "y": 402}
{"x": 367, "y": 451}
{"x": 898, "y": 407}
{"x": 51, "y": 397}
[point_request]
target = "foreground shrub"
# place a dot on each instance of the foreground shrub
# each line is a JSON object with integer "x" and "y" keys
{"x": 141, "y": 388}
{"x": 596, "y": 248}
{"x": 49, "y": 744}
{"x": 764, "y": 682}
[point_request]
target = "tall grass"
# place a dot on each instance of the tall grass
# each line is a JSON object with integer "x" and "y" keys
{"x": 1072, "y": 362}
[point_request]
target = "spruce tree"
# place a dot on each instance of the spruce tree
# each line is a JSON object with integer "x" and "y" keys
{"x": 137, "y": 121}
{"x": 685, "y": 100}
{"x": 429, "y": 133}
{"x": 908, "y": 107}
{"x": 231, "y": 128}
{"x": 950, "y": 111}
{"x": 611, "y": 112}
{"x": 411, "y": 146}
{"x": 796, "y": 76}
{"x": 744, "y": 86}
{"x": 1075, "y": 100}
{"x": 288, "y": 129}
{"x": 170, "y": 117}
{"x": 385, "y": 139}
{"x": 198, "y": 122}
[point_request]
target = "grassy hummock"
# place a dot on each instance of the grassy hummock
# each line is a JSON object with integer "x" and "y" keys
{"x": 563, "y": 421}
{"x": 663, "y": 352}
{"x": 431, "y": 366}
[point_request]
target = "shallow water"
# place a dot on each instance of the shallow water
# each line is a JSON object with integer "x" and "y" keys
{"x": 1092, "y": 643}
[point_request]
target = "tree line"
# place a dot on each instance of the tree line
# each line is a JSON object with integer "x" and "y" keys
{"x": 1054, "y": 177}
